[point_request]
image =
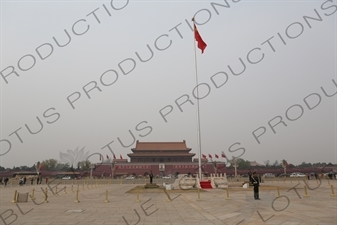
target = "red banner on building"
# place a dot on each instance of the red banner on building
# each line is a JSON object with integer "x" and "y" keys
{"x": 132, "y": 167}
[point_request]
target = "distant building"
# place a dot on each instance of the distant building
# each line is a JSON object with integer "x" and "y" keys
{"x": 160, "y": 152}
{"x": 162, "y": 158}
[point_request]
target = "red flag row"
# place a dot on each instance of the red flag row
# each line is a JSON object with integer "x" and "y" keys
{"x": 100, "y": 157}
{"x": 216, "y": 156}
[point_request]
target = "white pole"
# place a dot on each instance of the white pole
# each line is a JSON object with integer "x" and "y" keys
{"x": 198, "y": 113}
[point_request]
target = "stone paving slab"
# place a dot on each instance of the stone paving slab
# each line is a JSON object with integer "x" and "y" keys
{"x": 152, "y": 206}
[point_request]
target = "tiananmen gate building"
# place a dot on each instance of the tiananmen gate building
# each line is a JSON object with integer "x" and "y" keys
{"x": 162, "y": 158}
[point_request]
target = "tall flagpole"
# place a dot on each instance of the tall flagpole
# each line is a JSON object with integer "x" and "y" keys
{"x": 197, "y": 97}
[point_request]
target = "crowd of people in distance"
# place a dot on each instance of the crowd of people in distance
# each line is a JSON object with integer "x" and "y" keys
{"x": 4, "y": 180}
{"x": 23, "y": 180}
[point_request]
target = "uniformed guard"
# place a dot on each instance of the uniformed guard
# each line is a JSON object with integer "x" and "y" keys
{"x": 256, "y": 184}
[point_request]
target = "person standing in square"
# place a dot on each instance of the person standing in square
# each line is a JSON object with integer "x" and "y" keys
{"x": 151, "y": 177}
{"x": 256, "y": 184}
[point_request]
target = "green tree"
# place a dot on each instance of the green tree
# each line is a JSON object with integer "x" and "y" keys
{"x": 276, "y": 164}
{"x": 243, "y": 164}
{"x": 291, "y": 165}
{"x": 84, "y": 165}
{"x": 304, "y": 164}
{"x": 25, "y": 168}
{"x": 49, "y": 164}
{"x": 16, "y": 168}
{"x": 62, "y": 166}
{"x": 267, "y": 163}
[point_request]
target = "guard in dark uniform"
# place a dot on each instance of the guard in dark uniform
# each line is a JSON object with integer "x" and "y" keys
{"x": 151, "y": 177}
{"x": 256, "y": 184}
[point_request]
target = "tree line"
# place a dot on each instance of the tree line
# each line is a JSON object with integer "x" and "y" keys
{"x": 54, "y": 165}
{"x": 51, "y": 165}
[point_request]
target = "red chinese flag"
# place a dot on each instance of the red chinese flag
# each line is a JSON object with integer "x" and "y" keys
{"x": 223, "y": 155}
{"x": 203, "y": 156}
{"x": 114, "y": 156}
{"x": 216, "y": 156}
{"x": 107, "y": 156}
{"x": 209, "y": 155}
{"x": 201, "y": 44}
{"x": 121, "y": 156}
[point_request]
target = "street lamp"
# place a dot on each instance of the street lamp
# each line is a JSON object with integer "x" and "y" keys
{"x": 38, "y": 167}
{"x": 234, "y": 163}
{"x": 92, "y": 166}
{"x": 284, "y": 165}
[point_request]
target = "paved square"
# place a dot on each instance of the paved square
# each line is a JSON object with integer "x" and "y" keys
{"x": 124, "y": 204}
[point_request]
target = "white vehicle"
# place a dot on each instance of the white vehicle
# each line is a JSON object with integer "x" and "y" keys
{"x": 268, "y": 175}
{"x": 167, "y": 177}
{"x": 66, "y": 178}
{"x": 297, "y": 174}
{"x": 129, "y": 178}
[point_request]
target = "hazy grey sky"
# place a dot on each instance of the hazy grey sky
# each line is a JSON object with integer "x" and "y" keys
{"x": 267, "y": 78}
